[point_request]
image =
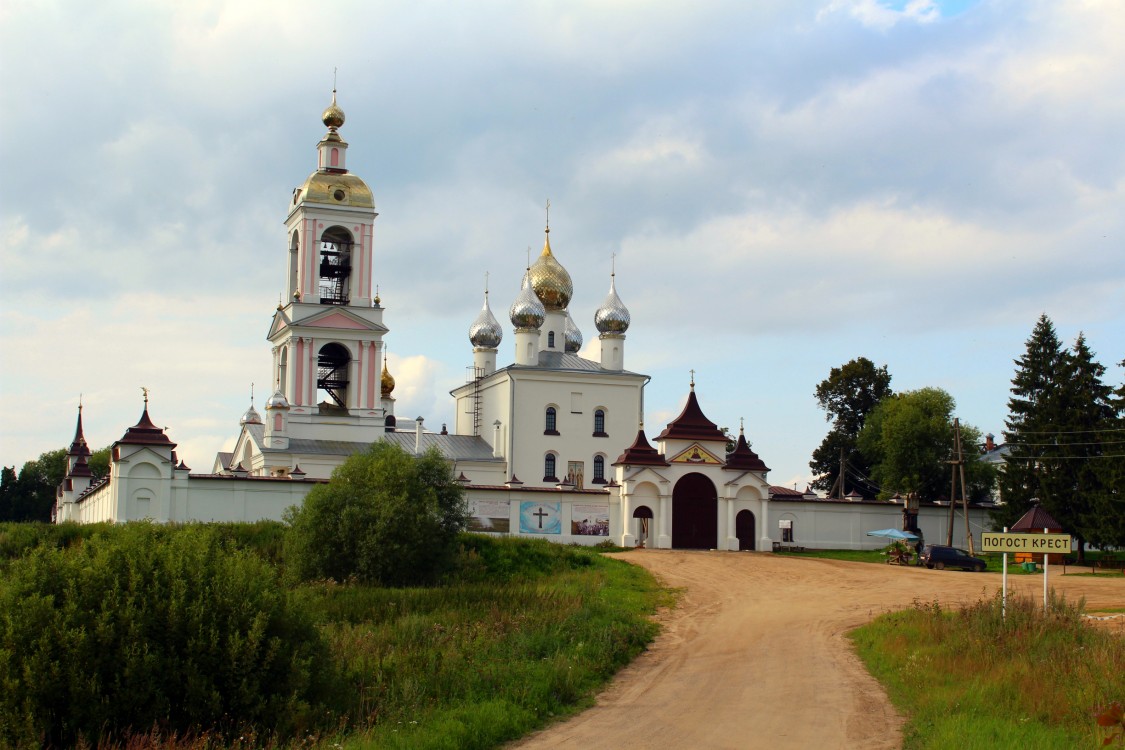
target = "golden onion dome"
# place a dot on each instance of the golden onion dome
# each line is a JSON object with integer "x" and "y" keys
{"x": 333, "y": 116}
{"x": 386, "y": 381}
{"x": 550, "y": 280}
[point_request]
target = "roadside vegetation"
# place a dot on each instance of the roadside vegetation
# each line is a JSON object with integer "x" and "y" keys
{"x": 369, "y": 620}
{"x": 970, "y": 678}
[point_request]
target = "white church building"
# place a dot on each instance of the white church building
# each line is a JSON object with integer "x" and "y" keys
{"x": 551, "y": 445}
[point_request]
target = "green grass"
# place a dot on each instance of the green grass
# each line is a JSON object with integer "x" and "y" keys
{"x": 971, "y": 679}
{"x": 473, "y": 664}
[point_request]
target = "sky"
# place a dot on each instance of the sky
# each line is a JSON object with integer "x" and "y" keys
{"x": 781, "y": 186}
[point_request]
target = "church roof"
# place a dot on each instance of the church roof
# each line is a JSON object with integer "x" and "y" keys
{"x": 78, "y": 446}
{"x": 1036, "y": 519}
{"x": 144, "y": 432}
{"x": 692, "y": 424}
{"x": 640, "y": 453}
{"x": 454, "y": 447}
{"x": 744, "y": 459}
{"x": 556, "y": 360}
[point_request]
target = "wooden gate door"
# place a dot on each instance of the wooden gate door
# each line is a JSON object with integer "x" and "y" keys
{"x": 695, "y": 513}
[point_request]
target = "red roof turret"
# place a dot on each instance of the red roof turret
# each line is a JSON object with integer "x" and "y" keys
{"x": 640, "y": 453}
{"x": 744, "y": 459}
{"x": 692, "y": 425}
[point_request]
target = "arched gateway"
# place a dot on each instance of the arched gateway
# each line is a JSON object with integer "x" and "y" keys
{"x": 744, "y": 530}
{"x": 695, "y": 513}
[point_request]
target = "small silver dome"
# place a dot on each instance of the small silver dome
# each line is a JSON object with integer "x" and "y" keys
{"x": 612, "y": 316}
{"x": 251, "y": 417}
{"x": 527, "y": 312}
{"x": 277, "y": 401}
{"x": 485, "y": 332}
{"x": 572, "y": 335}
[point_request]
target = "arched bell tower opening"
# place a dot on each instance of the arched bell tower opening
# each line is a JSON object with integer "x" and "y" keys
{"x": 294, "y": 262}
{"x": 332, "y": 373}
{"x": 335, "y": 266}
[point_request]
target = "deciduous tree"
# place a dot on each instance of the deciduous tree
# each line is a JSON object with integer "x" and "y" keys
{"x": 847, "y": 395}
{"x": 385, "y": 516}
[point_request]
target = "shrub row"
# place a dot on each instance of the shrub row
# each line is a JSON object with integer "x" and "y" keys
{"x": 150, "y": 628}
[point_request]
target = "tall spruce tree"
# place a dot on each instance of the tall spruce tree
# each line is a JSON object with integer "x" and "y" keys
{"x": 1108, "y": 510}
{"x": 847, "y": 395}
{"x": 1059, "y": 433}
{"x": 1032, "y": 411}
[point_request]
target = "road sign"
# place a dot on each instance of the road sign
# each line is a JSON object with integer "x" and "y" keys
{"x": 1010, "y": 542}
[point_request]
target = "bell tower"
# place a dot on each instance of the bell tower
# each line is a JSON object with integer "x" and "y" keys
{"x": 327, "y": 332}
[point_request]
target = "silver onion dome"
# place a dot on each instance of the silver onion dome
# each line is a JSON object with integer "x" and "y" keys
{"x": 251, "y": 417}
{"x": 572, "y": 335}
{"x": 277, "y": 401}
{"x": 485, "y": 332}
{"x": 527, "y": 311}
{"x": 612, "y": 316}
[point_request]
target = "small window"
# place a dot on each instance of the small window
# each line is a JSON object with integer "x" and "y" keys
{"x": 599, "y": 423}
{"x": 550, "y": 426}
{"x": 550, "y": 339}
{"x": 549, "y": 468}
{"x": 599, "y": 469}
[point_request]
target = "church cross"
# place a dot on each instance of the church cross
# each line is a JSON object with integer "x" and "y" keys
{"x": 541, "y": 514}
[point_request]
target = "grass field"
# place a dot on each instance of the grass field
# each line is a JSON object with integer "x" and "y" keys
{"x": 971, "y": 679}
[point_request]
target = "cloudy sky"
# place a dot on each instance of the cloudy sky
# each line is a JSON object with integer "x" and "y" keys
{"x": 786, "y": 186}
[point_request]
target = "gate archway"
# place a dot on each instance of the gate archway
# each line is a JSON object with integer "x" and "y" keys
{"x": 695, "y": 513}
{"x": 744, "y": 530}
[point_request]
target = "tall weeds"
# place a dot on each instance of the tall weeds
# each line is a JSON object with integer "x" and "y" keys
{"x": 974, "y": 677}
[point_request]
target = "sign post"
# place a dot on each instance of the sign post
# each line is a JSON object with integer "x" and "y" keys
{"x": 1044, "y": 544}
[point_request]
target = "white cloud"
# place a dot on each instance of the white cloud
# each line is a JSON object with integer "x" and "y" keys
{"x": 881, "y": 16}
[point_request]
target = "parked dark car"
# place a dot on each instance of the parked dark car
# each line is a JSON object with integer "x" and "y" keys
{"x": 942, "y": 557}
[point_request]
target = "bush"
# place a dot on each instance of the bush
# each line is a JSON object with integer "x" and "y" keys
{"x": 149, "y": 629}
{"x": 385, "y": 517}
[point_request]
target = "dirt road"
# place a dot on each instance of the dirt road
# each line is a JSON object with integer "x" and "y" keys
{"x": 755, "y": 655}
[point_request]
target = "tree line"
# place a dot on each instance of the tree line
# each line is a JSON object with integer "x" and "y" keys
{"x": 1064, "y": 440}
{"x": 30, "y": 494}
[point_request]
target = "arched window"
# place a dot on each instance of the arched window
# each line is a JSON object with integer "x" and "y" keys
{"x": 599, "y": 423}
{"x": 550, "y": 426}
{"x": 599, "y": 469}
{"x": 550, "y": 339}
{"x": 549, "y": 468}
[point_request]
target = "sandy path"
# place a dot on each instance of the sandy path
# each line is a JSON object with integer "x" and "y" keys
{"x": 755, "y": 655}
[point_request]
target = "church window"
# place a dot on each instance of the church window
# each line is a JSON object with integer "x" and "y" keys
{"x": 550, "y": 426}
{"x": 335, "y": 266}
{"x": 599, "y": 423}
{"x": 550, "y": 339}
{"x": 549, "y": 468}
{"x": 599, "y": 469}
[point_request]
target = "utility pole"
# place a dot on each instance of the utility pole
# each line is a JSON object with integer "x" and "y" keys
{"x": 839, "y": 483}
{"x": 958, "y": 464}
{"x": 964, "y": 493}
